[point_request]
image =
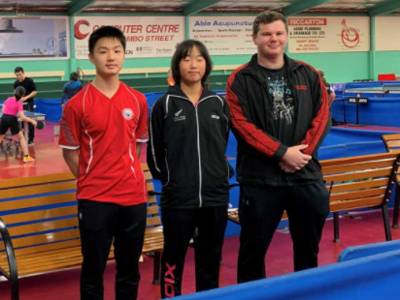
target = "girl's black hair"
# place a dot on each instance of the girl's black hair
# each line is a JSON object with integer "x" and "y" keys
{"x": 182, "y": 50}
{"x": 19, "y": 92}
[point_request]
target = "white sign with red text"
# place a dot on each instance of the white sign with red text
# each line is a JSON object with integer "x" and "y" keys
{"x": 328, "y": 34}
{"x": 387, "y": 38}
{"x": 33, "y": 38}
{"x": 223, "y": 35}
{"x": 145, "y": 36}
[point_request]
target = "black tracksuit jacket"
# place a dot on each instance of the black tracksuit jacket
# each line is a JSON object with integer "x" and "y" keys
{"x": 259, "y": 147}
{"x": 186, "y": 149}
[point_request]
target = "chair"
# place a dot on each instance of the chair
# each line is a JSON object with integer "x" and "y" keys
{"x": 392, "y": 143}
{"x": 10, "y": 146}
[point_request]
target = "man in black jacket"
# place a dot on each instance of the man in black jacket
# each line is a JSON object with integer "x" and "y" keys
{"x": 279, "y": 114}
{"x": 29, "y": 85}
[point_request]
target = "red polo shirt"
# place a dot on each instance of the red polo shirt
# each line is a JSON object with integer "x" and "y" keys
{"x": 105, "y": 130}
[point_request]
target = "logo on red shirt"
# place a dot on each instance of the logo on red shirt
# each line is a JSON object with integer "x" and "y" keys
{"x": 127, "y": 113}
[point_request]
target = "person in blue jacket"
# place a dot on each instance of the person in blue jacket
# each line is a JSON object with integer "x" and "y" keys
{"x": 72, "y": 87}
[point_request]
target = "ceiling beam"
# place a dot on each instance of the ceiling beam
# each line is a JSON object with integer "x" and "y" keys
{"x": 195, "y": 6}
{"x": 384, "y": 8}
{"x": 76, "y": 6}
{"x": 302, "y": 5}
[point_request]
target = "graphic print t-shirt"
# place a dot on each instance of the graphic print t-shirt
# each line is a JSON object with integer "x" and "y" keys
{"x": 282, "y": 104}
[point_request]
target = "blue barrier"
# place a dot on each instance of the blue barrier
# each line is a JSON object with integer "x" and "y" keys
{"x": 346, "y": 142}
{"x": 368, "y": 278}
{"x": 371, "y": 84}
{"x": 368, "y": 249}
{"x": 382, "y": 106}
{"x": 50, "y": 107}
{"x": 380, "y": 110}
{"x": 152, "y": 98}
{"x": 53, "y": 110}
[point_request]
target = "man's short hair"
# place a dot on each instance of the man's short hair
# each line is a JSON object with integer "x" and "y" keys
{"x": 18, "y": 69}
{"x": 267, "y": 17}
{"x": 109, "y": 32}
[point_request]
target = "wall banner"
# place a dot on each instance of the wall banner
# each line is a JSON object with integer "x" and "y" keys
{"x": 146, "y": 36}
{"x": 223, "y": 35}
{"x": 33, "y": 37}
{"x": 328, "y": 34}
{"x": 387, "y": 37}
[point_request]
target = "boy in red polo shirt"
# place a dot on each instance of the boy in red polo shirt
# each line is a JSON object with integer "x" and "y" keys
{"x": 100, "y": 129}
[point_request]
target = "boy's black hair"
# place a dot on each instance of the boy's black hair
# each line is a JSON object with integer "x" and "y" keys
{"x": 109, "y": 32}
{"x": 19, "y": 92}
{"x": 19, "y": 69}
{"x": 182, "y": 50}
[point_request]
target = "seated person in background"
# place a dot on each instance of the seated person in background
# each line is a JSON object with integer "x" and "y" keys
{"x": 71, "y": 87}
{"x": 12, "y": 110}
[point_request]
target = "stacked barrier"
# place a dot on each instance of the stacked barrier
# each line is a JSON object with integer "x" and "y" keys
{"x": 373, "y": 274}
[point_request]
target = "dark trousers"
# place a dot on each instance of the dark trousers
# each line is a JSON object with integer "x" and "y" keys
{"x": 179, "y": 227}
{"x": 29, "y": 106}
{"x": 260, "y": 211}
{"x": 100, "y": 224}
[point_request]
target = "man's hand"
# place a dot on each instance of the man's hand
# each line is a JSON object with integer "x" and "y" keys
{"x": 294, "y": 160}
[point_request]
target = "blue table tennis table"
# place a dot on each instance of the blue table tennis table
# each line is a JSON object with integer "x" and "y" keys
{"x": 33, "y": 115}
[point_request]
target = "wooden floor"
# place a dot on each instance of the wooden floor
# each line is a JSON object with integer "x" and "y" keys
{"x": 46, "y": 152}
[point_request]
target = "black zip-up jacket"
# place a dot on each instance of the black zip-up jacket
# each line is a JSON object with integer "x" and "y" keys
{"x": 259, "y": 148}
{"x": 186, "y": 149}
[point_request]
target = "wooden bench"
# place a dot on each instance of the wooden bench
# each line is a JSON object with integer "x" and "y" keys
{"x": 41, "y": 218}
{"x": 392, "y": 143}
{"x": 356, "y": 183}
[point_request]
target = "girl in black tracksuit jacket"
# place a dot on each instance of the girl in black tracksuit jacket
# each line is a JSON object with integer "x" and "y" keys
{"x": 188, "y": 136}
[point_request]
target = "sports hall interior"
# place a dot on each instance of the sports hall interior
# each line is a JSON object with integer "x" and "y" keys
{"x": 356, "y": 43}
